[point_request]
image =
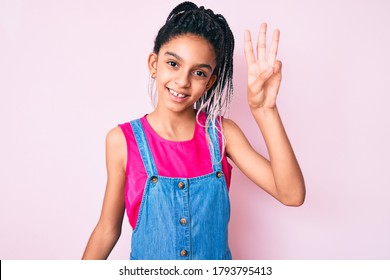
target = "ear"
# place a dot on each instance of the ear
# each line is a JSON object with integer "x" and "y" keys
{"x": 152, "y": 64}
{"x": 211, "y": 81}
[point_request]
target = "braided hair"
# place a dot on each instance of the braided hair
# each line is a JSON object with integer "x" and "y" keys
{"x": 188, "y": 18}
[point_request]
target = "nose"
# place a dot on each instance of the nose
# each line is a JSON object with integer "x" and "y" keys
{"x": 182, "y": 79}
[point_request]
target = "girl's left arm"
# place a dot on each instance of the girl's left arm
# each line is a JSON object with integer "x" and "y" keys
{"x": 281, "y": 176}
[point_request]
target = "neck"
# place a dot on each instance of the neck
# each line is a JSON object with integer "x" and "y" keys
{"x": 174, "y": 118}
{"x": 176, "y": 126}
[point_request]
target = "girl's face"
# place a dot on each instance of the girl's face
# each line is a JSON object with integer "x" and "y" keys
{"x": 183, "y": 69}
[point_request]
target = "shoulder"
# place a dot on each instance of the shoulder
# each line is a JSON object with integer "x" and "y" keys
{"x": 234, "y": 137}
{"x": 115, "y": 137}
{"x": 116, "y": 147}
{"x": 229, "y": 127}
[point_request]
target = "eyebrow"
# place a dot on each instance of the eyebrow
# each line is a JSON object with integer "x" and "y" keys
{"x": 202, "y": 65}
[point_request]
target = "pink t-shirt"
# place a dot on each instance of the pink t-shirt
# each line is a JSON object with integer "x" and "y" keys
{"x": 183, "y": 159}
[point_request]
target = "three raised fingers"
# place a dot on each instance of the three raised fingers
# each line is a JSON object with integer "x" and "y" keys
{"x": 261, "y": 47}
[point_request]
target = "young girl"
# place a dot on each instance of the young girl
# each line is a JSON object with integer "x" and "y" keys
{"x": 169, "y": 169}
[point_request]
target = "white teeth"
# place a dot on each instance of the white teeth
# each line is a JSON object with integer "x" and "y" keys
{"x": 176, "y": 94}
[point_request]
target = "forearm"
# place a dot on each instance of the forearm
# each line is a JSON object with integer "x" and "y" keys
{"x": 101, "y": 243}
{"x": 287, "y": 174}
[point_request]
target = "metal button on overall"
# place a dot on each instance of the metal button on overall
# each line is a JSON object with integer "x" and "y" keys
{"x": 183, "y": 221}
{"x": 180, "y": 185}
{"x": 154, "y": 179}
{"x": 219, "y": 174}
{"x": 183, "y": 253}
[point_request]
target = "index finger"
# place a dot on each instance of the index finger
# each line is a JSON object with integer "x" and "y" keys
{"x": 248, "y": 48}
{"x": 273, "y": 51}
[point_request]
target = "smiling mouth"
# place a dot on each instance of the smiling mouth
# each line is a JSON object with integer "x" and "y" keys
{"x": 174, "y": 93}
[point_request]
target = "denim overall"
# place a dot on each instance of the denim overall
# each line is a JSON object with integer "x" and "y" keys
{"x": 181, "y": 218}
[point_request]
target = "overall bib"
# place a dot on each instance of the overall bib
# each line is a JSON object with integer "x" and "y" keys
{"x": 181, "y": 218}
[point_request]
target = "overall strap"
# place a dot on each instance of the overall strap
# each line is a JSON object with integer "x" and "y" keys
{"x": 214, "y": 148}
{"x": 143, "y": 147}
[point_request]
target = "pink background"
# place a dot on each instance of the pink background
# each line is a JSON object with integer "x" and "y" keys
{"x": 71, "y": 70}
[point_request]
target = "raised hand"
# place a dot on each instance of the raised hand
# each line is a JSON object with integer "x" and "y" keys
{"x": 265, "y": 73}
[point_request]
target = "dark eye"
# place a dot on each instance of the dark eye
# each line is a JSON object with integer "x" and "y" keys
{"x": 200, "y": 74}
{"x": 172, "y": 63}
